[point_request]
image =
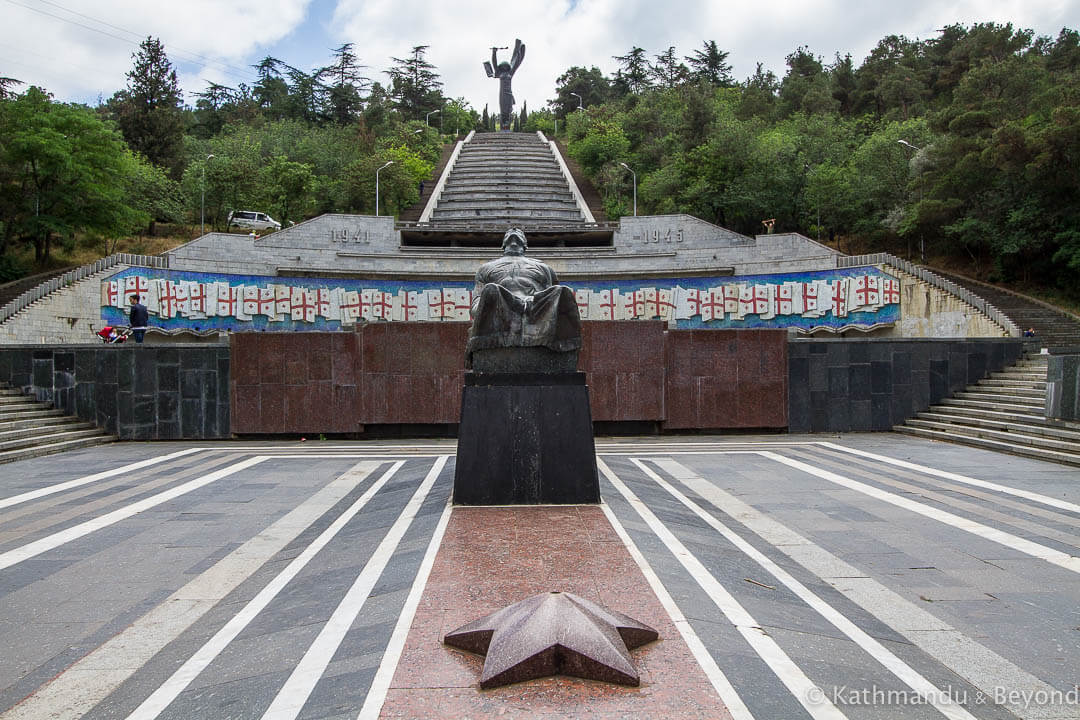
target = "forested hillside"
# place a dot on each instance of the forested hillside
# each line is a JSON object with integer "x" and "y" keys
{"x": 964, "y": 147}
{"x": 295, "y": 144}
{"x": 966, "y": 144}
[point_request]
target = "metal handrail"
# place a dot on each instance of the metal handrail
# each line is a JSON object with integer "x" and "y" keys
{"x": 934, "y": 280}
{"x": 73, "y": 276}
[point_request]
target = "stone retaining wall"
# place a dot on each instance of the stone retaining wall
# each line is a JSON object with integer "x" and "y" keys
{"x": 174, "y": 392}
{"x": 862, "y": 385}
{"x": 1063, "y": 387}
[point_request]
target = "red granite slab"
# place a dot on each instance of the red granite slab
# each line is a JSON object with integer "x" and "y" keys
{"x": 493, "y": 557}
{"x": 624, "y": 365}
{"x": 726, "y": 379}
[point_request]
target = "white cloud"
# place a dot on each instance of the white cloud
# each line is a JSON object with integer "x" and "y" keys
{"x": 77, "y": 63}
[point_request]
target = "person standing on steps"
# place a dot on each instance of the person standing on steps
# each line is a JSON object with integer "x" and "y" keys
{"x": 138, "y": 319}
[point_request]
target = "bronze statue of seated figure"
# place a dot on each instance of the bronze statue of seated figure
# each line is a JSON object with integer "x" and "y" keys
{"x": 519, "y": 303}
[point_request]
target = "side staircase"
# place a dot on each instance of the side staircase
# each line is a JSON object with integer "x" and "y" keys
{"x": 29, "y": 428}
{"x": 1004, "y": 412}
{"x": 1053, "y": 328}
{"x": 507, "y": 179}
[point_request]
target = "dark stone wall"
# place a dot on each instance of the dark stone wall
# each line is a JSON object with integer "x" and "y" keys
{"x": 1063, "y": 387}
{"x": 146, "y": 392}
{"x": 859, "y": 385}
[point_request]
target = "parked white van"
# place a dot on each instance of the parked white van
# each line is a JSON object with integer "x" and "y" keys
{"x": 252, "y": 220}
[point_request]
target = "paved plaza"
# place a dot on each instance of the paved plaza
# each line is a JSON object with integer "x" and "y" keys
{"x": 818, "y": 576}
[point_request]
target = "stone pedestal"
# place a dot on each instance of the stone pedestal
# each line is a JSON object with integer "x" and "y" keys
{"x": 525, "y": 439}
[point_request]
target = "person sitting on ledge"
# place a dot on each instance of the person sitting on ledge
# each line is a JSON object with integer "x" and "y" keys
{"x": 518, "y": 302}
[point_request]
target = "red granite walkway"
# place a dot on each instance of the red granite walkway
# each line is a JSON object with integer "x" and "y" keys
{"x": 493, "y": 557}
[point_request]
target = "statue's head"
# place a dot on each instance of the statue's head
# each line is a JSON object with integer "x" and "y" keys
{"x": 503, "y": 67}
{"x": 514, "y": 242}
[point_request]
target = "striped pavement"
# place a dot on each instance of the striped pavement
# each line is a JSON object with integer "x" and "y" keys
{"x": 859, "y": 576}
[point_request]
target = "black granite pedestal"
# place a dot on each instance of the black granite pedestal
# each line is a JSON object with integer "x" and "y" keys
{"x": 525, "y": 439}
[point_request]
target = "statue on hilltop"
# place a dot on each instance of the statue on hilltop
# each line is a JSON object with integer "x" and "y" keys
{"x": 505, "y": 72}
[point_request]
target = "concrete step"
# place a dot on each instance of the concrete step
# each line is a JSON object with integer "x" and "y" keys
{"x": 49, "y": 438}
{"x": 1008, "y": 384}
{"x": 1024, "y": 408}
{"x": 1014, "y": 424}
{"x": 524, "y": 154}
{"x": 510, "y": 192}
{"x": 55, "y": 447}
{"x": 13, "y": 398}
{"x": 55, "y": 418}
{"x": 61, "y": 425}
{"x": 37, "y": 410}
{"x": 481, "y": 203}
{"x": 502, "y": 174}
{"x": 1018, "y": 376}
{"x": 1016, "y": 397}
{"x": 1006, "y": 436}
{"x": 25, "y": 404}
{"x": 996, "y": 445}
{"x": 512, "y": 213}
{"x": 998, "y": 415}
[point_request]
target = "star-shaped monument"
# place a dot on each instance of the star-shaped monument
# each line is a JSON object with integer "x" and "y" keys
{"x": 554, "y": 633}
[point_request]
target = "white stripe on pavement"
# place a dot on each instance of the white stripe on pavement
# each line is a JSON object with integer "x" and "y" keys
{"x": 974, "y": 482}
{"x": 1069, "y": 562}
{"x": 49, "y": 542}
{"x": 78, "y": 482}
{"x": 78, "y": 689}
{"x": 292, "y": 696}
{"x": 719, "y": 681}
{"x": 813, "y": 699}
{"x": 984, "y": 669}
{"x": 941, "y": 700}
{"x": 380, "y": 685}
{"x": 167, "y": 692}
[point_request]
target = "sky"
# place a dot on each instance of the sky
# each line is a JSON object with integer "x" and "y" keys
{"x": 80, "y": 50}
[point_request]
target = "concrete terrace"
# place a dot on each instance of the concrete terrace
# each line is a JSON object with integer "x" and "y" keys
{"x": 842, "y": 576}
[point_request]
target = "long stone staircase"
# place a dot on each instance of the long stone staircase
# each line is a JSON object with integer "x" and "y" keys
{"x": 1053, "y": 328}
{"x": 507, "y": 179}
{"x": 1004, "y": 412}
{"x": 29, "y": 428}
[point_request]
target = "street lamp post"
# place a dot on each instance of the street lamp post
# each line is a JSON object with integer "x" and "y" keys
{"x": 634, "y": 174}
{"x": 202, "y": 201}
{"x": 922, "y": 236}
{"x": 429, "y": 115}
{"x": 377, "y": 185}
{"x": 580, "y": 105}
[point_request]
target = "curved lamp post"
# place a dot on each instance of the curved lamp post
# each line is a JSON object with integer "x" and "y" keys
{"x": 922, "y": 239}
{"x": 377, "y": 185}
{"x": 580, "y": 104}
{"x": 426, "y": 117}
{"x": 634, "y": 174}
{"x": 202, "y": 201}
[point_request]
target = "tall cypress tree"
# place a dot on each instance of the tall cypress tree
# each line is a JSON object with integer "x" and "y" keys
{"x": 149, "y": 110}
{"x": 415, "y": 84}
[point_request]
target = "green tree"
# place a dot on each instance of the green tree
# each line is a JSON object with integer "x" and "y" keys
{"x": 344, "y": 97}
{"x": 667, "y": 70}
{"x": 415, "y": 84}
{"x": 591, "y": 84}
{"x": 633, "y": 70}
{"x": 710, "y": 65}
{"x": 288, "y": 186}
{"x": 149, "y": 111}
{"x": 65, "y": 171}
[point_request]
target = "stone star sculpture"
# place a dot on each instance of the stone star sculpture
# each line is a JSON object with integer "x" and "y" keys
{"x": 554, "y": 633}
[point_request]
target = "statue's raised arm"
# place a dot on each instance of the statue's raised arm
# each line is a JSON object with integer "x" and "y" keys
{"x": 518, "y": 56}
